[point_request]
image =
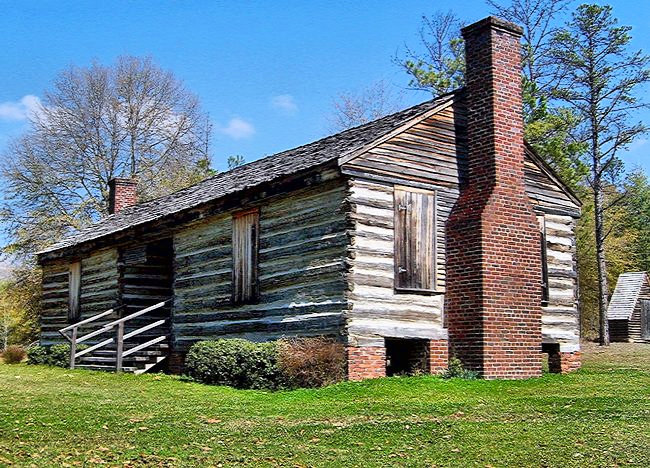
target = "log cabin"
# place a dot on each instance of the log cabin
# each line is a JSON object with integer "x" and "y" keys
{"x": 431, "y": 232}
{"x": 628, "y": 313}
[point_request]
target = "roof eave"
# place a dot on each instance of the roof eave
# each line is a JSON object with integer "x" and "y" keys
{"x": 546, "y": 167}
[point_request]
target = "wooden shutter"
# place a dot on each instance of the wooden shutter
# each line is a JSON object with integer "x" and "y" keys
{"x": 415, "y": 240}
{"x": 245, "y": 234}
{"x": 74, "y": 292}
{"x": 543, "y": 247}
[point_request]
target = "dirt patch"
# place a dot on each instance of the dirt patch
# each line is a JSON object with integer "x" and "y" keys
{"x": 617, "y": 355}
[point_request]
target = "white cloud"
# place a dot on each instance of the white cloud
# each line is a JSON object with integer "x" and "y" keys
{"x": 238, "y": 129}
{"x": 23, "y": 109}
{"x": 284, "y": 103}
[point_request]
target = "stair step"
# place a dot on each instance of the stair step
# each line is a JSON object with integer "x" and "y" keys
{"x": 98, "y": 367}
{"x": 150, "y": 366}
{"x": 107, "y": 353}
{"x": 134, "y": 358}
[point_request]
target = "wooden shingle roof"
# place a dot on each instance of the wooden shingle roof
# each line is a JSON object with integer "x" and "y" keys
{"x": 251, "y": 175}
{"x": 626, "y": 295}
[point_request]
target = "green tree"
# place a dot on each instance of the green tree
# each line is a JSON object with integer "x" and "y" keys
{"x": 637, "y": 206}
{"x": 235, "y": 160}
{"x": 621, "y": 243}
{"x": 599, "y": 81}
{"x": 440, "y": 65}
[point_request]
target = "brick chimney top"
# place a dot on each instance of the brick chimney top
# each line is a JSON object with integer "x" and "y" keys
{"x": 494, "y": 23}
{"x": 122, "y": 193}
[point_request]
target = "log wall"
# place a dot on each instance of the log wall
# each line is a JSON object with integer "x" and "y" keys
{"x": 432, "y": 155}
{"x": 99, "y": 292}
{"x": 376, "y": 310}
{"x": 325, "y": 253}
{"x": 146, "y": 281}
{"x": 560, "y": 319}
{"x": 54, "y": 302}
{"x": 302, "y": 245}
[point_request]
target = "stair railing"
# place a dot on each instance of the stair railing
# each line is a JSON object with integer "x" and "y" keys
{"x": 118, "y": 338}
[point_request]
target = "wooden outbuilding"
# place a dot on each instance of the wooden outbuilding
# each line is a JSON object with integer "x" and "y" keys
{"x": 628, "y": 312}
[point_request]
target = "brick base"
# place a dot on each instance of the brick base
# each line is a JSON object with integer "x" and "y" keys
{"x": 366, "y": 362}
{"x": 176, "y": 363}
{"x": 438, "y": 356}
{"x": 563, "y": 363}
{"x": 369, "y": 362}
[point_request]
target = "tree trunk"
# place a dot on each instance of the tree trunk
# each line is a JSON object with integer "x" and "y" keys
{"x": 5, "y": 334}
{"x": 603, "y": 289}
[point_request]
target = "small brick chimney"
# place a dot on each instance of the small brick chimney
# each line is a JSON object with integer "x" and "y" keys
{"x": 493, "y": 258}
{"x": 122, "y": 193}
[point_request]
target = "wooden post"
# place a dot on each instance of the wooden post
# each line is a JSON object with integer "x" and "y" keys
{"x": 119, "y": 340}
{"x": 73, "y": 347}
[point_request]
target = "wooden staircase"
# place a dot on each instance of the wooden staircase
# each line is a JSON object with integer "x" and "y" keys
{"x": 134, "y": 343}
{"x": 136, "y": 363}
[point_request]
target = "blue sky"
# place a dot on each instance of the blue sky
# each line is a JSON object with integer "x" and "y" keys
{"x": 266, "y": 72}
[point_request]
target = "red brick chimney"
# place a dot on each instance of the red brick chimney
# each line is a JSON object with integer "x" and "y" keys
{"x": 122, "y": 193}
{"x": 493, "y": 259}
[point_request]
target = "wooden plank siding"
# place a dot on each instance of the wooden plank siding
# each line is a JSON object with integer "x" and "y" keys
{"x": 147, "y": 280}
{"x": 624, "y": 310}
{"x": 302, "y": 246}
{"x": 99, "y": 292}
{"x": 432, "y": 155}
{"x": 635, "y": 325}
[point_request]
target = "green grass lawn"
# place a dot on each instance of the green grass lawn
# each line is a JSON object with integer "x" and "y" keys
{"x": 599, "y": 416}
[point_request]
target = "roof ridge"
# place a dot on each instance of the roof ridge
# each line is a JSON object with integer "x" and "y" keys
{"x": 333, "y": 135}
{"x": 246, "y": 176}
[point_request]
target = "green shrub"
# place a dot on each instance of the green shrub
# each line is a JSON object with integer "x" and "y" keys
{"x": 37, "y": 354}
{"x": 456, "y": 369}
{"x": 13, "y": 354}
{"x": 311, "y": 362}
{"x": 55, "y": 355}
{"x": 234, "y": 362}
{"x": 59, "y": 355}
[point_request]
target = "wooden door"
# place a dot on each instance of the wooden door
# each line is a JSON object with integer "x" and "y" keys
{"x": 645, "y": 319}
